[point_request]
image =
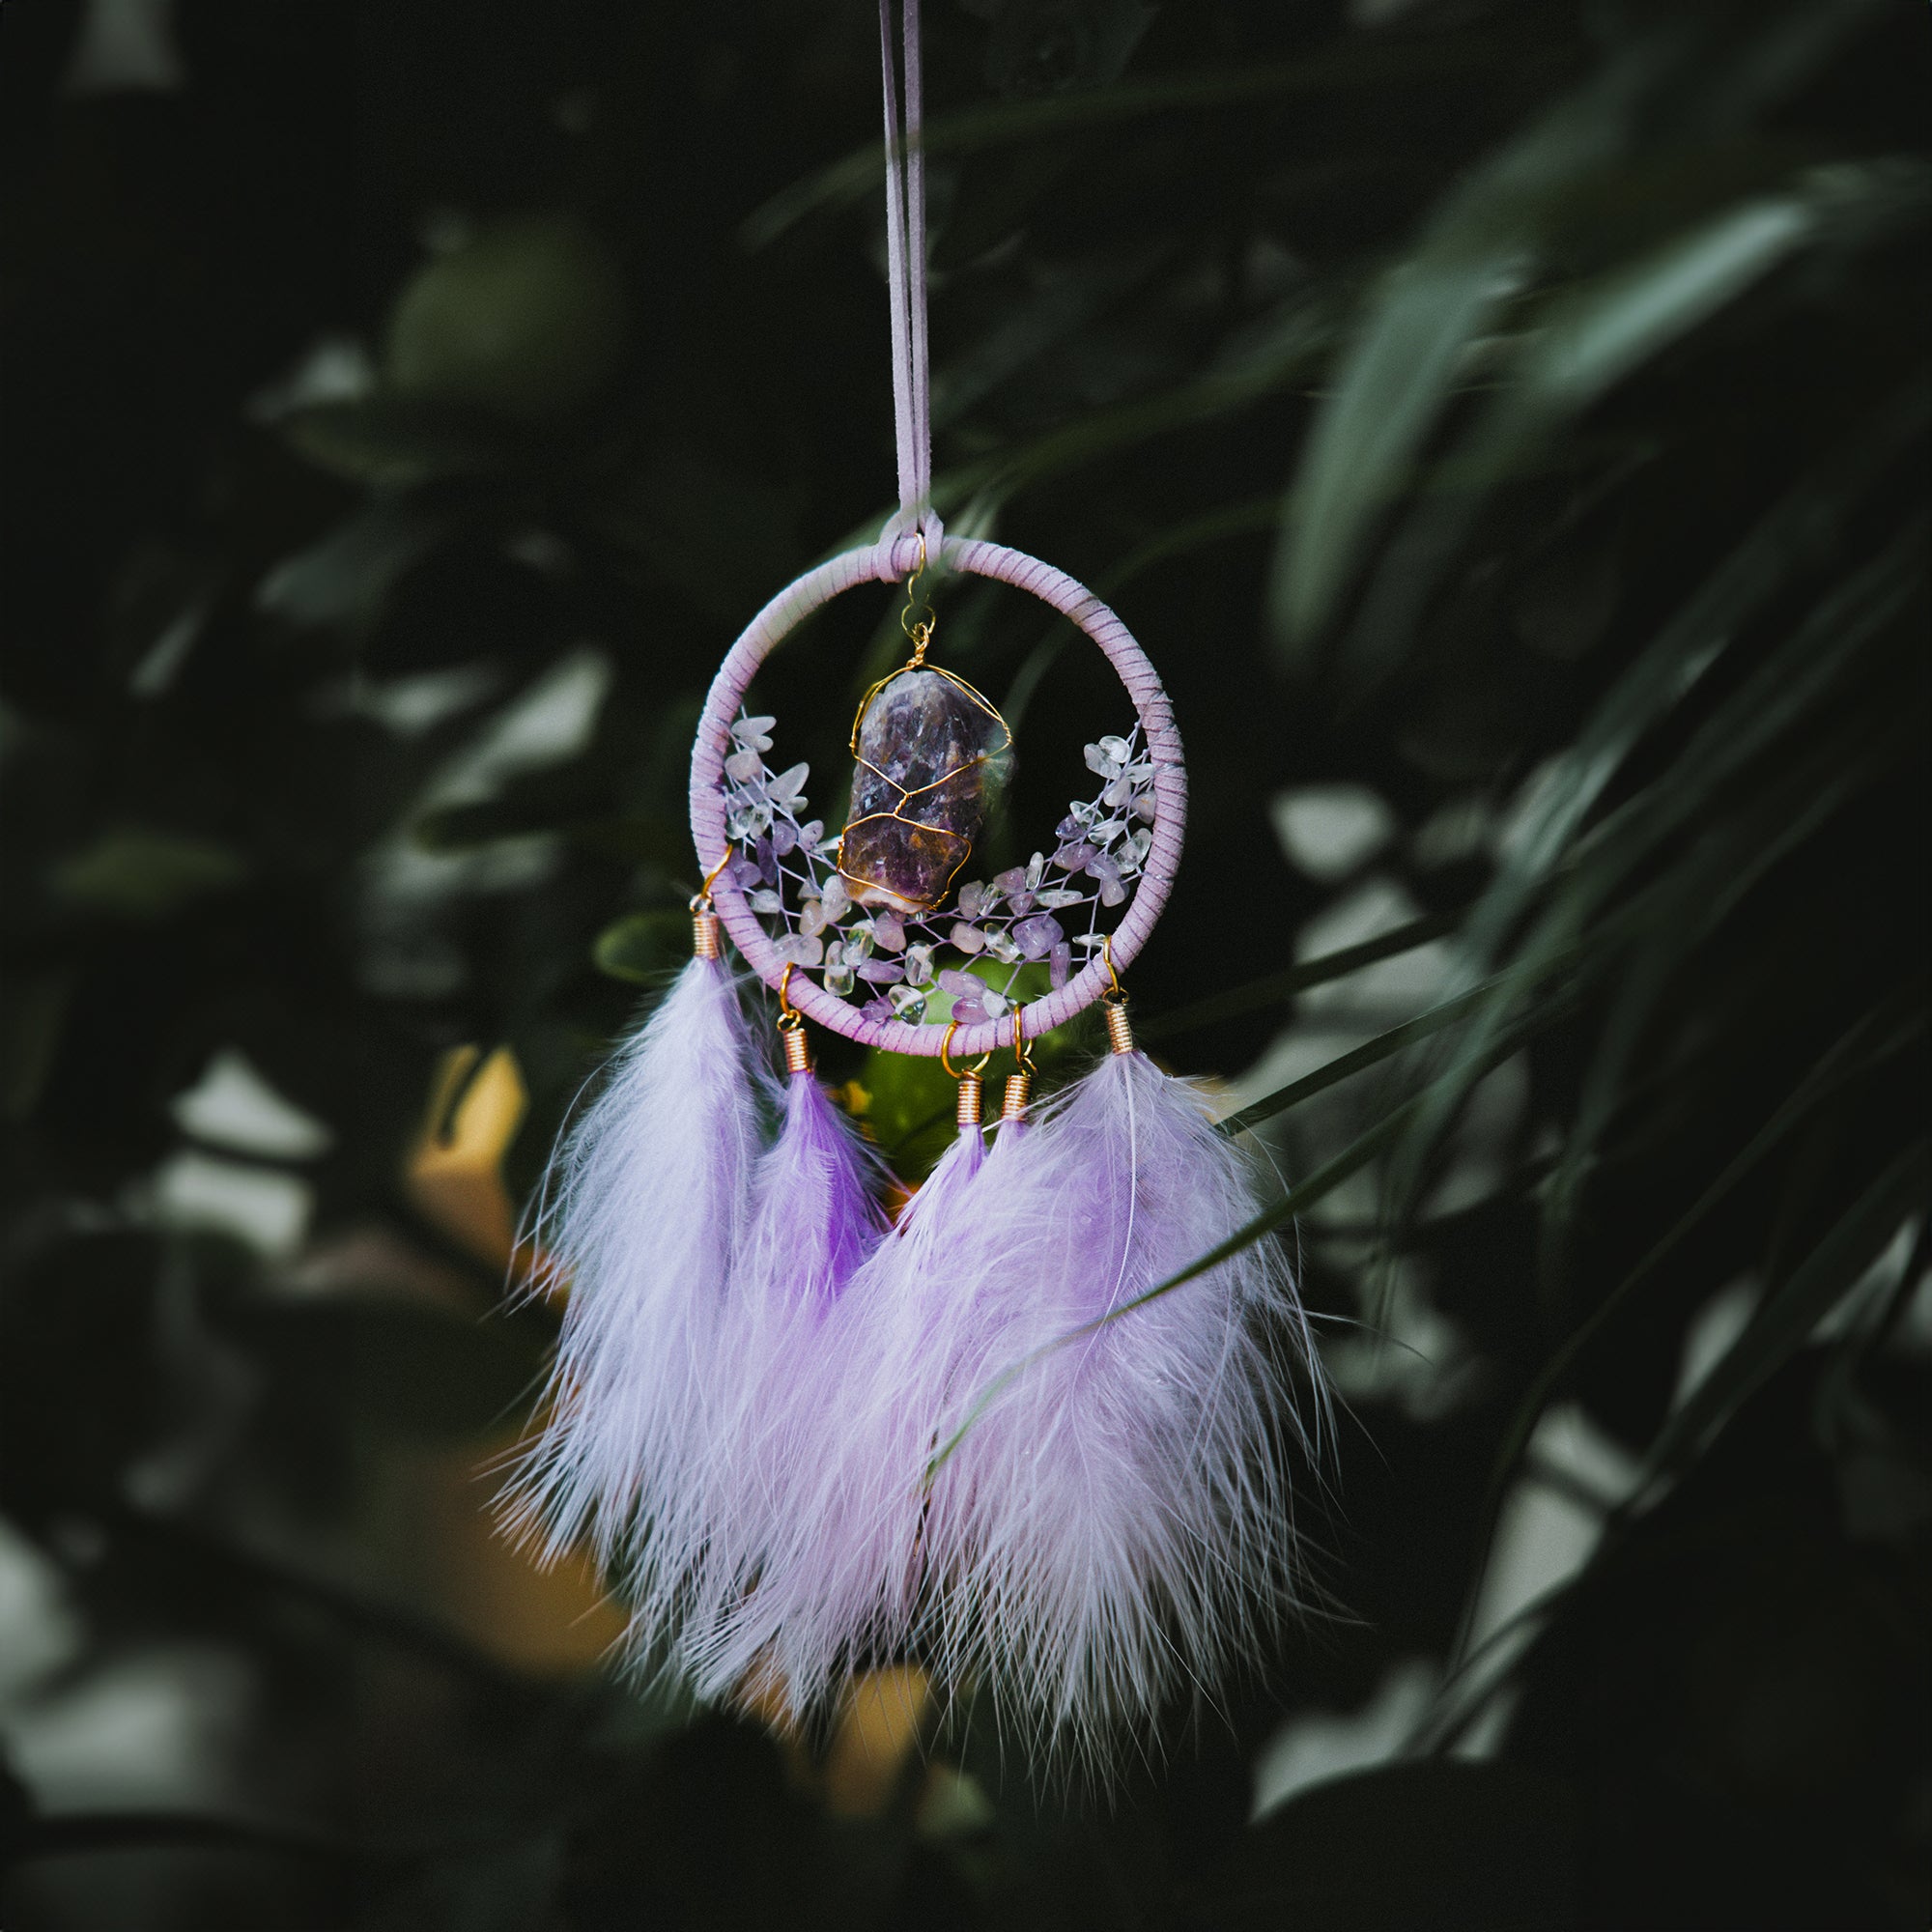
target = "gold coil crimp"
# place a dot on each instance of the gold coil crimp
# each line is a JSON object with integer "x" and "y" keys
{"x": 707, "y": 931}
{"x": 1014, "y": 1103}
{"x": 791, "y": 1026}
{"x": 1113, "y": 1002}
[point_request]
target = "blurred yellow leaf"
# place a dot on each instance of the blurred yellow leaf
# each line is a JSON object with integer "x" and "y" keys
{"x": 455, "y": 1171}
{"x": 878, "y": 1729}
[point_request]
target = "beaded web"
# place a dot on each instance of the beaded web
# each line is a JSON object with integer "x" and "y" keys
{"x": 916, "y": 967}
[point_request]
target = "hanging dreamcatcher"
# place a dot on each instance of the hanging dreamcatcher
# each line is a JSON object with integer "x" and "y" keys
{"x": 807, "y": 1438}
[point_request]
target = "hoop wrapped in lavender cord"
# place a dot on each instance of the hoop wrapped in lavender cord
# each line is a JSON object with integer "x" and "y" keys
{"x": 1139, "y": 809}
{"x": 1016, "y": 1433}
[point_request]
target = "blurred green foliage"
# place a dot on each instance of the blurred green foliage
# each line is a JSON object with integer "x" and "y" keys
{"x": 1505, "y": 425}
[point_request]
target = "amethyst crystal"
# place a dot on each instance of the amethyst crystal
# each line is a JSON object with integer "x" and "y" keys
{"x": 1039, "y": 935}
{"x": 931, "y": 755}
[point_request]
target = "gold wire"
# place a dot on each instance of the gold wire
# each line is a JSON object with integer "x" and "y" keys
{"x": 972, "y": 1072}
{"x": 920, "y": 629}
{"x": 1107, "y": 954}
{"x": 704, "y": 897}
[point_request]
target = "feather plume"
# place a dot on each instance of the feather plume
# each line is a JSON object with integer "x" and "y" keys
{"x": 1108, "y": 1505}
{"x": 813, "y": 1219}
{"x": 640, "y": 1216}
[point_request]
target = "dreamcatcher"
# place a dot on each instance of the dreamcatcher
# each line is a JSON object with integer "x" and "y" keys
{"x": 806, "y": 1438}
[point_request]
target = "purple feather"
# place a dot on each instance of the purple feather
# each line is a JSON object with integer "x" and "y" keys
{"x": 815, "y": 1217}
{"x": 639, "y": 1218}
{"x": 1108, "y": 1508}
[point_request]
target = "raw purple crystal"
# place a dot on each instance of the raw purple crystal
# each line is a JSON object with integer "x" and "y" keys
{"x": 882, "y": 971}
{"x": 931, "y": 755}
{"x": 1058, "y": 964}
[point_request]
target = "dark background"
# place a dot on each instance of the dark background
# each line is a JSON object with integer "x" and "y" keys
{"x": 1504, "y": 426}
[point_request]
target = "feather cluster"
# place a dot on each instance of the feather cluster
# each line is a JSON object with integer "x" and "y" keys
{"x": 991, "y": 1436}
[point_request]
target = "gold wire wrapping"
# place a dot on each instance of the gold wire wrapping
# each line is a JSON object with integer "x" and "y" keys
{"x": 1119, "y": 1034}
{"x": 971, "y": 1090}
{"x": 920, "y": 631}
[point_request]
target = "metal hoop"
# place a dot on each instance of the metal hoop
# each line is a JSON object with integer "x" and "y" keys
{"x": 1073, "y": 601}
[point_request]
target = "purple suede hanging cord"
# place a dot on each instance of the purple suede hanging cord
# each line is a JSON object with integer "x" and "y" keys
{"x": 905, "y": 273}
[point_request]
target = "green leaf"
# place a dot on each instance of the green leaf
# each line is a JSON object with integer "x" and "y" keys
{"x": 644, "y": 946}
{"x": 525, "y": 321}
{"x": 1592, "y": 339}
{"x": 142, "y": 873}
{"x": 1384, "y": 1046}
{"x": 1874, "y": 1039}
{"x": 1777, "y": 698}
{"x": 1788, "y": 1314}
{"x": 1582, "y": 346}
{"x": 1276, "y": 987}
{"x": 393, "y": 442}
{"x": 1429, "y": 310}
{"x": 33, "y": 1016}
{"x": 1481, "y": 249}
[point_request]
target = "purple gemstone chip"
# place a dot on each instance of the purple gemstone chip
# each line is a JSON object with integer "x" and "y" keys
{"x": 1039, "y": 935}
